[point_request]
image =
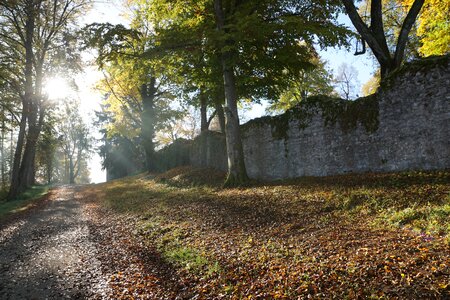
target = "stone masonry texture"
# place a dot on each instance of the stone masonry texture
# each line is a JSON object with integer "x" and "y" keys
{"x": 413, "y": 133}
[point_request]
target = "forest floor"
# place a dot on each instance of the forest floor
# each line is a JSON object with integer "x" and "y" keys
{"x": 180, "y": 236}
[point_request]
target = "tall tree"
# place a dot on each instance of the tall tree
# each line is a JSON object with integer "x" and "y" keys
{"x": 34, "y": 28}
{"x": 20, "y": 19}
{"x": 9, "y": 106}
{"x": 138, "y": 90}
{"x": 237, "y": 173}
{"x": 75, "y": 139}
{"x": 260, "y": 47}
{"x": 374, "y": 34}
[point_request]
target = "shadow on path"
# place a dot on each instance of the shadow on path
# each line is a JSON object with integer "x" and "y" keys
{"x": 49, "y": 254}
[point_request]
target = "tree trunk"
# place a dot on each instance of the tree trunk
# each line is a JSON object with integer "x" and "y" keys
{"x": 77, "y": 165}
{"x": 15, "y": 179}
{"x": 17, "y": 184}
{"x": 2, "y": 153}
{"x": 375, "y": 36}
{"x": 220, "y": 115}
{"x": 148, "y": 92}
{"x": 66, "y": 168}
{"x": 26, "y": 171}
{"x": 237, "y": 173}
{"x": 203, "y": 112}
{"x": 49, "y": 170}
{"x": 71, "y": 171}
{"x": 38, "y": 111}
{"x": 11, "y": 149}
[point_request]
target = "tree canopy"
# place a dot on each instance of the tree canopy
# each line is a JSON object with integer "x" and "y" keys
{"x": 259, "y": 47}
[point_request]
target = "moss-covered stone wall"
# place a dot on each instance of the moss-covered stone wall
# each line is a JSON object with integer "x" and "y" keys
{"x": 406, "y": 125}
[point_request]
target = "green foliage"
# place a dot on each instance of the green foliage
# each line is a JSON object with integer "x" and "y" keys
{"x": 111, "y": 41}
{"x": 270, "y": 41}
{"x": 138, "y": 92}
{"x": 310, "y": 83}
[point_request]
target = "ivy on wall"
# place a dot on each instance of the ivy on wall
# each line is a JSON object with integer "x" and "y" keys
{"x": 347, "y": 114}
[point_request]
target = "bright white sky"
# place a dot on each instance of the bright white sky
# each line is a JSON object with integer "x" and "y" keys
{"x": 112, "y": 11}
{"x": 102, "y": 11}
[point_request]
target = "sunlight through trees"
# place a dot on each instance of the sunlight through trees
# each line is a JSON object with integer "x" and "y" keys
{"x": 178, "y": 68}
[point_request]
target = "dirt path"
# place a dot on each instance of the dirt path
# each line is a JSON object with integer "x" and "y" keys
{"x": 50, "y": 253}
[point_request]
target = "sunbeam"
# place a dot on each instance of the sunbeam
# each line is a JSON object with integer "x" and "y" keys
{"x": 57, "y": 88}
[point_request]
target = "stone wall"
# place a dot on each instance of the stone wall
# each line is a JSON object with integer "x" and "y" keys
{"x": 174, "y": 155}
{"x": 209, "y": 150}
{"x": 405, "y": 126}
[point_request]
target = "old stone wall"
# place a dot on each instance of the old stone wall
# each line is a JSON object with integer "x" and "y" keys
{"x": 405, "y": 126}
{"x": 174, "y": 155}
{"x": 209, "y": 150}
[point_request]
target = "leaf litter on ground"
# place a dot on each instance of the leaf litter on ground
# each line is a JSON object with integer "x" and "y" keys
{"x": 352, "y": 236}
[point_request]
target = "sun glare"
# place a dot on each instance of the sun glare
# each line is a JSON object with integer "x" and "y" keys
{"x": 57, "y": 88}
{"x": 81, "y": 90}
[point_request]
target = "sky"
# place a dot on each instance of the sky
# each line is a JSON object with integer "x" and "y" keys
{"x": 102, "y": 11}
{"x": 113, "y": 12}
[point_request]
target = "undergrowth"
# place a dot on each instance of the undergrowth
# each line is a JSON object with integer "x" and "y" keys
{"x": 23, "y": 201}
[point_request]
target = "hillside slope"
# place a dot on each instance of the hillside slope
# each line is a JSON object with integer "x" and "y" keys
{"x": 353, "y": 236}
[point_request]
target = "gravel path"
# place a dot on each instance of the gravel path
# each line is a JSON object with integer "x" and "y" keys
{"x": 50, "y": 253}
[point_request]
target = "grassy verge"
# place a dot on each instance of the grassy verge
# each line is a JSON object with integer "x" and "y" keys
{"x": 24, "y": 201}
{"x": 366, "y": 236}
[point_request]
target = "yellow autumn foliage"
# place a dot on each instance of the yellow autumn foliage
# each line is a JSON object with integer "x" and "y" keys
{"x": 433, "y": 27}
